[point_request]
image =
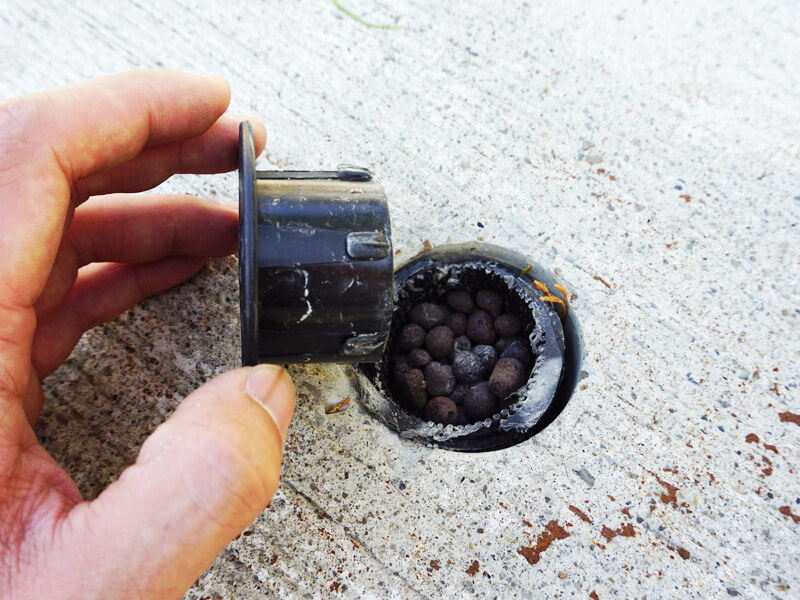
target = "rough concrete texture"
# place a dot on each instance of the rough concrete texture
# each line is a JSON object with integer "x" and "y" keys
{"x": 646, "y": 151}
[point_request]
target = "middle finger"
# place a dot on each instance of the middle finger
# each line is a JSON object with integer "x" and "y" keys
{"x": 125, "y": 228}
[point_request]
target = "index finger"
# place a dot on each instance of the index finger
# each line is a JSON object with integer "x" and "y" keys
{"x": 51, "y": 139}
{"x": 98, "y": 124}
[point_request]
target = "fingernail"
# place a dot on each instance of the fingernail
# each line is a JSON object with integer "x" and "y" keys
{"x": 220, "y": 80}
{"x": 252, "y": 119}
{"x": 271, "y": 387}
{"x": 232, "y": 205}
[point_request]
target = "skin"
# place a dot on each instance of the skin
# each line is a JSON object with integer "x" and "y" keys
{"x": 74, "y": 256}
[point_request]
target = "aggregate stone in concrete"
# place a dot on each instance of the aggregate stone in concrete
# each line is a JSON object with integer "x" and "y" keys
{"x": 647, "y": 152}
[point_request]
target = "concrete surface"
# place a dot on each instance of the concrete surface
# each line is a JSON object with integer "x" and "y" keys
{"x": 648, "y": 151}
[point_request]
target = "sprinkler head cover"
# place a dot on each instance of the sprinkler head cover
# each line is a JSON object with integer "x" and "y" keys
{"x": 315, "y": 263}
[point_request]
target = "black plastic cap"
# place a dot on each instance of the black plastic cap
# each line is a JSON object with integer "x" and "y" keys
{"x": 315, "y": 271}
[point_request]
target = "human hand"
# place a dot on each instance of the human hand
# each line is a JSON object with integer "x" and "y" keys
{"x": 74, "y": 257}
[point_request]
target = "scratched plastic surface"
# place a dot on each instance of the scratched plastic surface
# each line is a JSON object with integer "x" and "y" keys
{"x": 316, "y": 264}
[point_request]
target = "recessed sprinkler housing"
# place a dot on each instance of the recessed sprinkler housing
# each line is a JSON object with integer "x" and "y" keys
{"x": 554, "y": 344}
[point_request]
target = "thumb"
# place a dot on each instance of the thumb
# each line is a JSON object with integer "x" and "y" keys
{"x": 199, "y": 480}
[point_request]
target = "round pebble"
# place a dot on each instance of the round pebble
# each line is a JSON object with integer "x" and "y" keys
{"x": 489, "y": 301}
{"x": 467, "y": 367}
{"x": 441, "y": 410}
{"x": 480, "y": 403}
{"x": 459, "y": 393}
{"x": 480, "y": 329}
{"x": 504, "y": 343}
{"x": 413, "y": 387}
{"x": 439, "y": 379}
{"x": 428, "y": 314}
{"x": 439, "y": 341}
{"x": 488, "y": 356}
{"x": 461, "y": 359}
{"x": 400, "y": 364}
{"x": 411, "y": 336}
{"x": 461, "y": 344}
{"x": 507, "y": 325}
{"x": 460, "y": 301}
{"x": 519, "y": 351}
{"x": 457, "y": 322}
{"x": 507, "y": 377}
{"x": 418, "y": 358}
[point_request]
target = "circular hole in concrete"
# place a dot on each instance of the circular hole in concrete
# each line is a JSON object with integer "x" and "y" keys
{"x": 555, "y": 345}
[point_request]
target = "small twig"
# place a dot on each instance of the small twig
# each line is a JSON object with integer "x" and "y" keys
{"x": 338, "y": 407}
{"x": 563, "y": 291}
{"x": 355, "y": 17}
{"x": 551, "y": 298}
{"x": 526, "y": 270}
{"x": 555, "y": 299}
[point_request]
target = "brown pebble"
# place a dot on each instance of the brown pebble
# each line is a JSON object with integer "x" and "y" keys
{"x": 441, "y": 410}
{"x": 480, "y": 329}
{"x": 519, "y": 351}
{"x": 507, "y": 325}
{"x": 479, "y": 403}
{"x": 467, "y": 367}
{"x": 504, "y": 343}
{"x": 507, "y": 377}
{"x": 490, "y": 301}
{"x": 460, "y": 301}
{"x": 400, "y": 364}
{"x": 488, "y": 356}
{"x": 413, "y": 387}
{"x": 459, "y": 393}
{"x": 439, "y": 379}
{"x": 461, "y": 344}
{"x": 418, "y": 358}
{"x": 463, "y": 419}
{"x": 411, "y": 336}
{"x": 428, "y": 314}
{"x": 457, "y": 322}
{"x": 439, "y": 341}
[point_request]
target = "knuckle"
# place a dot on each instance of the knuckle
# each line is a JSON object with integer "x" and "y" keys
{"x": 18, "y": 117}
{"x": 19, "y": 124}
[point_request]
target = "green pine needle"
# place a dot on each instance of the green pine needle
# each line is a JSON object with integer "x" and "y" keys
{"x": 362, "y": 21}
